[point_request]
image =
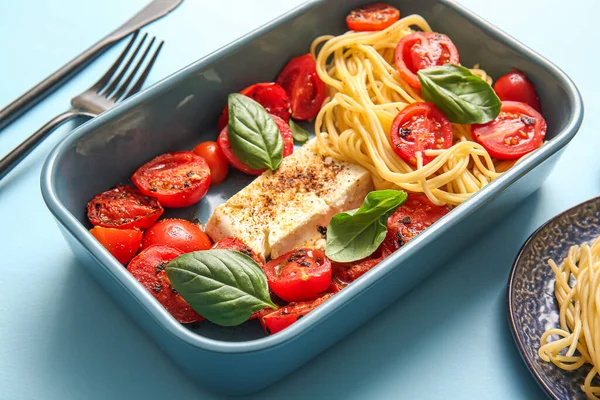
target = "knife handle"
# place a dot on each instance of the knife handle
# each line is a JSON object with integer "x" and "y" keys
{"x": 153, "y": 11}
{"x": 51, "y": 83}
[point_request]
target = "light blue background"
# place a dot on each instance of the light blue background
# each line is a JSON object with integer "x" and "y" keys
{"x": 62, "y": 337}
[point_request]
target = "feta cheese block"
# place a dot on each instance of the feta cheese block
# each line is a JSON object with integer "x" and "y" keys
{"x": 289, "y": 208}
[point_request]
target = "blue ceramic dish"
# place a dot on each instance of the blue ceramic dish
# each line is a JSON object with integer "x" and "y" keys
{"x": 532, "y": 308}
{"x": 182, "y": 110}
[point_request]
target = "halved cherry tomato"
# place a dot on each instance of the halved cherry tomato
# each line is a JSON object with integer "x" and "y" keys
{"x": 285, "y": 316}
{"x": 232, "y": 243}
{"x": 288, "y": 147}
{"x": 518, "y": 130}
{"x": 372, "y": 17}
{"x": 123, "y": 244}
{"x": 177, "y": 179}
{"x": 148, "y": 268}
{"x": 269, "y": 95}
{"x": 305, "y": 89}
{"x": 179, "y": 233}
{"x": 123, "y": 207}
{"x": 299, "y": 275}
{"x": 216, "y": 160}
{"x": 515, "y": 86}
{"x": 350, "y": 271}
{"x": 421, "y": 50}
{"x": 418, "y": 127}
{"x": 413, "y": 217}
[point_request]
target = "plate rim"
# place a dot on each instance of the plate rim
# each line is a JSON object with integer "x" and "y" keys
{"x": 509, "y": 298}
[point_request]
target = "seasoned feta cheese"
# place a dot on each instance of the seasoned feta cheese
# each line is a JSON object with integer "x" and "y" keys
{"x": 288, "y": 208}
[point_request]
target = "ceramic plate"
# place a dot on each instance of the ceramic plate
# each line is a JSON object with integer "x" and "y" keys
{"x": 532, "y": 308}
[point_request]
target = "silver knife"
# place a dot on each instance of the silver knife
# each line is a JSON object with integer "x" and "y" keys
{"x": 153, "y": 11}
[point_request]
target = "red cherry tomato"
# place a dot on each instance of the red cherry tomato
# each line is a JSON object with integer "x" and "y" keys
{"x": 305, "y": 89}
{"x": 285, "y": 316}
{"x": 336, "y": 284}
{"x": 421, "y": 50}
{"x": 123, "y": 207}
{"x": 260, "y": 313}
{"x": 518, "y": 130}
{"x": 288, "y": 147}
{"x": 177, "y": 179}
{"x": 299, "y": 275}
{"x": 515, "y": 86}
{"x": 418, "y": 127}
{"x": 231, "y": 243}
{"x": 148, "y": 268}
{"x": 372, "y": 17}
{"x": 413, "y": 217}
{"x": 178, "y": 233}
{"x": 269, "y": 95}
{"x": 123, "y": 244}
{"x": 216, "y": 160}
{"x": 349, "y": 272}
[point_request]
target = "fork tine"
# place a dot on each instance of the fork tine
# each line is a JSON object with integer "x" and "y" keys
{"x": 96, "y": 87}
{"x": 140, "y": 82}
{"x": 113, "y": 85}
{"x": 123, "y": 87}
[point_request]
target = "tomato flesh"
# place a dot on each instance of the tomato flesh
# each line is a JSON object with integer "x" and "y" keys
{"x": 232, "y": 243}
{"x": 177, "y": 179}
{"x": 269, "y": 95}
{"x": 299, "y": 275}
{"x": 123, "y": 207}
{"x": 421, "y": 50}
{"x": 216, "y": 160}
{"x": 518, "y": 130}
{"x": 148, "y": 268}
{"x": 413, "y": 217}
{"x": 179, "y": 233}
{"x": 305, "y": 89}
{"x": 285, "y": 316}
{"x": 372, "y": 17}
{"x": 288, "y": 147}
{"x": 123, "y": 244}
{"x": 418, "y": 127}
{"x": 349, "y": 272}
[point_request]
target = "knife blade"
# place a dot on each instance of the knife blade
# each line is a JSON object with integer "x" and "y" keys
{"x": 153, "y": 11}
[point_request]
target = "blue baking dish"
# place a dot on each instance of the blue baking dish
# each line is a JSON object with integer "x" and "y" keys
{"x": 182, "y": 110}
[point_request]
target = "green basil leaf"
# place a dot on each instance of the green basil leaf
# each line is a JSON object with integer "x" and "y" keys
{"x": 463, "y": 97}
{"x": 356, "y": 234}
{"x": 224, "y": 286}
{"x": 298, "y": 132}
{"x": 253, "y": 135}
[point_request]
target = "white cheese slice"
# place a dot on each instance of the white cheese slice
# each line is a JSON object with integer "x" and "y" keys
{"x": 284, "y": 209}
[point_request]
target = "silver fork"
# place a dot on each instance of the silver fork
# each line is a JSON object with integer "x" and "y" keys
{"x": 101, "y": 96}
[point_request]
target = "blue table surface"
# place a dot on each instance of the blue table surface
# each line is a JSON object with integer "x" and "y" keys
{"x": 62, "y": 337}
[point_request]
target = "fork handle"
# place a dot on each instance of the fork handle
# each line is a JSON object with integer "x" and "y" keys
{"x": 21, "y": 151}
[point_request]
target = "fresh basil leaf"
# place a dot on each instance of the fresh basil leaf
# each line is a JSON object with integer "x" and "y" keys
{"x": 224, "y": 286}
{"x": 463, "y": 97}
{"x": 253, "y": 134}
{"x": 356, "y": 234}
{"x": 298, "y": 132}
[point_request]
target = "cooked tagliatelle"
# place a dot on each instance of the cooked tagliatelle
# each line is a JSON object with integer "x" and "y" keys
{"x": 366, "y": 92}
{"x": 577, "y": 291}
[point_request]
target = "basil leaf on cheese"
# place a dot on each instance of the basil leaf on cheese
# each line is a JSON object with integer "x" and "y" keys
{"x": 253, "y": 134}
{"x": 462, "y": 96}
{"x": 298, "y": 132}
{"x": 356, "y": 234}
{"x": 224, "y": 286}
